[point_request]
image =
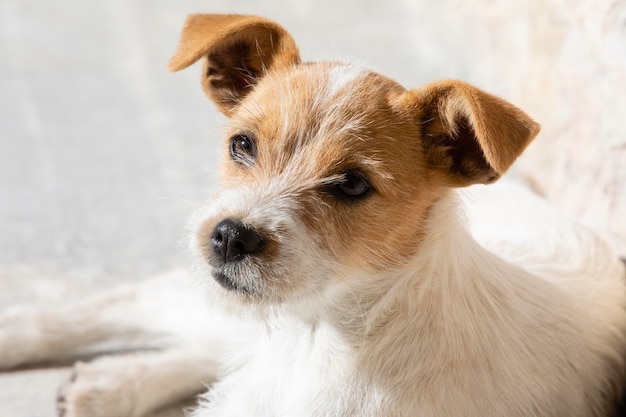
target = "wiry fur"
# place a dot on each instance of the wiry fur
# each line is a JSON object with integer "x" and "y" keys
{"x": 414, "y": 300}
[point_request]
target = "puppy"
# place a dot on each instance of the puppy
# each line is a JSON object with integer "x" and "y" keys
{"x": 346, "y": 272}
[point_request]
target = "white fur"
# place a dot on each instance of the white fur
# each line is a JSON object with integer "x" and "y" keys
{"x": 340, "y": 77}
{"x": 476, "y": 318}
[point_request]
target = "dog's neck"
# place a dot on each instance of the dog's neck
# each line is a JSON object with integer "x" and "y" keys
{"x": 359, "y": 304}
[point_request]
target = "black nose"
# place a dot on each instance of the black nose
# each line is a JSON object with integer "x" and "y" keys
{"x": 232, "y": 240}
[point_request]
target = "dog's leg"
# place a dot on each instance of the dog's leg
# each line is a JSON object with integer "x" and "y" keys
{"x": 135, "y": 384}
{"x": 154, "y": 314}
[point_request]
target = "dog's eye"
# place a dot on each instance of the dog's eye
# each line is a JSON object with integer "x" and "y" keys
{"x": 352, "y": 186}
{"x": 242, "y": 149}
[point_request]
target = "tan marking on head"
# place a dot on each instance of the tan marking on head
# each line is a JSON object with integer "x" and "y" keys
{"x": 311, "y": 129}
{"x": 312, "y": 124}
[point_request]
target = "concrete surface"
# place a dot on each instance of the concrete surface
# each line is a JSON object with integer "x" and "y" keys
{"x": 103, "y": 154}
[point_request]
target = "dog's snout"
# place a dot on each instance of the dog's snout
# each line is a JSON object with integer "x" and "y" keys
{"x": 232, "y": 240}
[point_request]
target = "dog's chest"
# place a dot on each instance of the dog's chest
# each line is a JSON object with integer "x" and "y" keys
{"x": 290, "y": 373}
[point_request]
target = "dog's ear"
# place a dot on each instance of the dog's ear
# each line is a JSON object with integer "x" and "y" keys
{"x": 237, "y": 51}
{"x": 469, "y": 136}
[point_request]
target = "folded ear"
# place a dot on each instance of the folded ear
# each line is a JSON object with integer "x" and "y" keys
{"x": 237, "y": 51}
{"x": 470, "y": 136}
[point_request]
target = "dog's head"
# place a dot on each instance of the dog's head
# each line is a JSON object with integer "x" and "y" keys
{"x": 330, "y": 169}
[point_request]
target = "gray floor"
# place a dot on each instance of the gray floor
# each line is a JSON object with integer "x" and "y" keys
{"x": 103, "y": 154}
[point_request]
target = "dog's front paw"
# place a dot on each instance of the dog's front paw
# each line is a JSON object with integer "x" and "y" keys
{"x": 94, "y": 391}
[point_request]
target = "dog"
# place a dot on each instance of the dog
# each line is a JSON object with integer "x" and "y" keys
{"x": 348, "y": 268}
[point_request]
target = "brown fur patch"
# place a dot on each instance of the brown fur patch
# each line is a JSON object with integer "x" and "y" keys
{"x": 237, "y": 51}
{"x": 299, "y": 128}
{"x": 470, "y": 136}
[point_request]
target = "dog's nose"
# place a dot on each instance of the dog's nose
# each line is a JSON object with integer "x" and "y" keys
{"x": 231, "y": 240}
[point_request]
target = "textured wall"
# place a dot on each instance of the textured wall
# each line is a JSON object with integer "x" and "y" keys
{"x": 577, "y": 61}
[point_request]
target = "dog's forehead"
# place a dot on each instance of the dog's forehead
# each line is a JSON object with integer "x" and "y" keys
{"x": 323, "y": 91}
{"x": 332, "y": 111}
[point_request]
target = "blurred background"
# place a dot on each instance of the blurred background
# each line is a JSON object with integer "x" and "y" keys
{"x": 103, "y": 154}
